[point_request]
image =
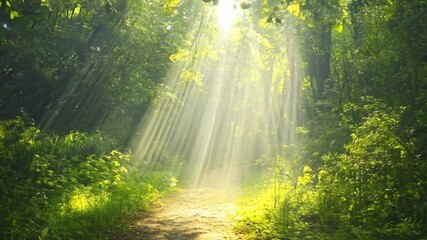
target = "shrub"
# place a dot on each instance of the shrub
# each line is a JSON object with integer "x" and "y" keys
{"x": 67, "y": 187}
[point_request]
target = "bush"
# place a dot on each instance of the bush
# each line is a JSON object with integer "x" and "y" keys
{"x": 375, "y": 189}
{"x": 67, "y": 187}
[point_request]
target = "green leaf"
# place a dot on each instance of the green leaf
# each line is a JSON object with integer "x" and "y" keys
{"x": 44, "y": 233}
{"x": 170, "y": 6}
{"x": 307, "y": 169}
{"x": 294, "y": 9}
{"x": 13, "y": 14}
{"x": 339, "y": 28}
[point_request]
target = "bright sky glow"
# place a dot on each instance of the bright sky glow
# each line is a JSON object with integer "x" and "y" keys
{"x": 227, "y": 14}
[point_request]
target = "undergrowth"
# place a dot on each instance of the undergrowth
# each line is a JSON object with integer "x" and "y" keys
{"x": 68, "y": 187}
{"x": 373, "y": 189}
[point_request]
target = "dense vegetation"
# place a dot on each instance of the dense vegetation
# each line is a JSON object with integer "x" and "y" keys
{"x": 75, "y": 79}
{"x": 68, "y": 186}
{"x": 77, "y": 76}
{"x": 358, "y": 167}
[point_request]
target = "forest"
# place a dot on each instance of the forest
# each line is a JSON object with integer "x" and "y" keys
{"x": 306, "y": 118}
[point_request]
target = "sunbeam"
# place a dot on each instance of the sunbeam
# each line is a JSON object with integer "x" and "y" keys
{"x": 233, "y": 116}
{"x": 213, "y": 119}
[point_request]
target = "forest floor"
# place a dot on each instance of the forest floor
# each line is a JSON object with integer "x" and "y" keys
{"x": 193, "y": 213}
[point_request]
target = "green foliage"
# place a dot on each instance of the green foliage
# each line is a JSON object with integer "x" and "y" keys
{"x": 373, "y": 184}
{"x": 357, "y": 170}
{"x": 66, "y": 187}
{"x": 364, "y": 135}
{"x": 292, "y": 216}
{"x": 373, "y": 190}
{"x": 82, "y": 65}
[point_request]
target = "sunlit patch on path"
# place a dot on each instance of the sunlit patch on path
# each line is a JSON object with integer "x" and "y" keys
{"x": 202, "y": 212}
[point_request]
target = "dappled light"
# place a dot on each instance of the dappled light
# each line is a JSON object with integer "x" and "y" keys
{"x": 213, "y": 119}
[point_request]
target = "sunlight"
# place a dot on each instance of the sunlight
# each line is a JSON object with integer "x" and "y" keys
{"x": 227, "y": 113}
{"x": 213, "y": 119}
{"x": 227, "y": 14}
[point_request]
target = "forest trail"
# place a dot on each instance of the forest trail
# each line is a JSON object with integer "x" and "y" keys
{"x": 194, "y": 213}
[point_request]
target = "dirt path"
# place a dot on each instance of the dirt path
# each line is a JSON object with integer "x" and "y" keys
{"x": 201, "y": 213}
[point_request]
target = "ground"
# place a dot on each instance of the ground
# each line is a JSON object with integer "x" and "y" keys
{"x": 193, "y": 213}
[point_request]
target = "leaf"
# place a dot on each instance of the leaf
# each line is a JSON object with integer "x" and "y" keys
{"x": 173, "y": 3}
{"x": 339, "y": 28}
{"x": 169, "y": 7}
{"x": 44, "y": 233}
{"x": 13, "y": 14}
{"x": 192, "y": 75}
{"x": 182, "y": 54}
{"x": 294, "y": 9}
{"x": 307, "y": 169}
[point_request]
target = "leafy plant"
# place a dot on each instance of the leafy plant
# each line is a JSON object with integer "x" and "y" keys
{"x": 65, "y": 187}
